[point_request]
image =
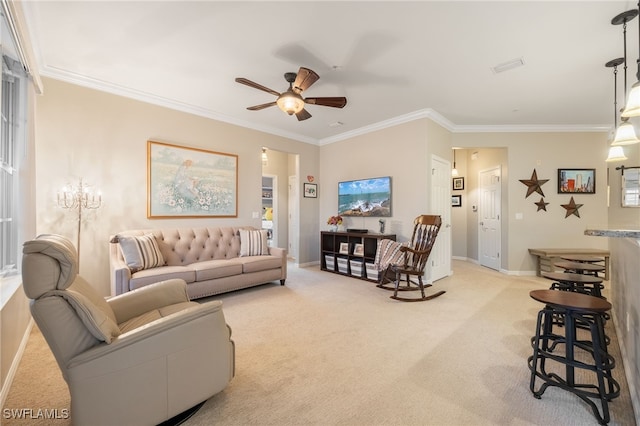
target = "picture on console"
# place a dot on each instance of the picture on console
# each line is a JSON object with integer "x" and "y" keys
{"x": 365, "y": 197}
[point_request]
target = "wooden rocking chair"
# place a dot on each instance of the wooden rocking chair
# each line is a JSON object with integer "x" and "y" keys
{"x": 412, "y": 261}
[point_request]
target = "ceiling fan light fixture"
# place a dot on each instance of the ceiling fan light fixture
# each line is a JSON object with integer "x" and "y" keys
{"x": 290, "y": 102}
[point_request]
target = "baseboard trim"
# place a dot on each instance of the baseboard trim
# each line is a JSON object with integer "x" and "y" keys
{"x": 14, "y": 365}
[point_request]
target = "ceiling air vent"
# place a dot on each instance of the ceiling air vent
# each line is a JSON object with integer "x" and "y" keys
{"x": 506, "y": 66}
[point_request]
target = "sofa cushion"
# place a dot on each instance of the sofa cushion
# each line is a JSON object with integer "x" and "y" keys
{"x": 260, "y": 263}
{"x": 211, "y": 269}
{"x": 253, "y": 243}
{"x": 141, "y": 252}
{"x": 150, "y": 276}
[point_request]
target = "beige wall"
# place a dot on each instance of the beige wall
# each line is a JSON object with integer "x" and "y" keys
{"x": 473, "y": 162}
{"x": 460, "y": 215}
{"x": 14, "y": 320}
{"x": 103, "y": 138}
{"x": 544, "y": 152}
{"x": 402, "y": 152}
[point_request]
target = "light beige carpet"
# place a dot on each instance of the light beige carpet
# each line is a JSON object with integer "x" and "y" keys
{"x": 332, "y": 350}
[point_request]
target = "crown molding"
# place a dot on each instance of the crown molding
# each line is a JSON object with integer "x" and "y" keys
{"x": 532, "y": 128}
{"x": 104, "y": 86}
{"x": 453, "y": 128}
{"x": 416, "y": 115}
{"x": 15, "y": 18}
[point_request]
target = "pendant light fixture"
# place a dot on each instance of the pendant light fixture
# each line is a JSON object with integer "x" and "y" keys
{"x": 454, "y": 171}
{"x": 625, "y": 133}
{"x": 616, "y": 153}
{"x": 632, "y": 108}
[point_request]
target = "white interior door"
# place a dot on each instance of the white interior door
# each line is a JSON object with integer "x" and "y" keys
{"x": 489, "y": 238}
{"x": 292, "y": 247}
{"x": 440, "y": 259}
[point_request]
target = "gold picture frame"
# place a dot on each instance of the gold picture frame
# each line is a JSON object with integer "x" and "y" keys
{"x": 187, "y": 182}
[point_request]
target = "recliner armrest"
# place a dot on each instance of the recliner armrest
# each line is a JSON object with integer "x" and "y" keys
{"x": 179, "y": 321}
{"x": 148, "y": 298}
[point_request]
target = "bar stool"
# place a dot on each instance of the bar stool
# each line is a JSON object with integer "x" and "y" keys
{"x": 585, "y": 355}
{"x": 582, "y": 258}
{"x": 579, "y": 283}
{"x": 580, "y": 267}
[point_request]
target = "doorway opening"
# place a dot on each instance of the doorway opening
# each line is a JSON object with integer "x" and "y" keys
{"x": 279, "y": 202}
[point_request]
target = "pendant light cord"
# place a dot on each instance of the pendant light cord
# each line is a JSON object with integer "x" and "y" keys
{"x": 637, "y": 60}
{"x": 615, "y": 96}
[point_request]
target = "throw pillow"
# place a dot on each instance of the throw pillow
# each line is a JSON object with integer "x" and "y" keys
{"x": 141, "y": 252}
{"x": 253, "y": 243}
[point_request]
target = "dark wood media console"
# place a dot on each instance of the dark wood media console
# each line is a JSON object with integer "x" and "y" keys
{"x": 351, "y": 253}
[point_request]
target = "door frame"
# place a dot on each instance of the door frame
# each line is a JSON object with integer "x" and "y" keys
{"x": 440, "y": 204}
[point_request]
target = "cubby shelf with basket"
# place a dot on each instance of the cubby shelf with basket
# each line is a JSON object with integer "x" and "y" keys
{"x": 351, "y": 253}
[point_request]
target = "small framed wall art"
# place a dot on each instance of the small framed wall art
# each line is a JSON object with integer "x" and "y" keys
{"x": 458, "y": 183}
{"x": 581, "y": 181}
{"x": 310, "y": 190}
{"x": 456, "y": 201}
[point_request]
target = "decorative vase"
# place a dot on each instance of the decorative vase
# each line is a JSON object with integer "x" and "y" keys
{"x": 333, "y": 228}
{"x": 341, "y": 228}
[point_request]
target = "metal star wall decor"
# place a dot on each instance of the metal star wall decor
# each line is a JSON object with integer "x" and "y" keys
{"x": 533, "y": 184}
{"x": 541, "y": 205}
{"x": 572, "y": 208}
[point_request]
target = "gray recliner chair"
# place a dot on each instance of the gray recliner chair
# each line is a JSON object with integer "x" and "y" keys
{"x": 136, "y": 359}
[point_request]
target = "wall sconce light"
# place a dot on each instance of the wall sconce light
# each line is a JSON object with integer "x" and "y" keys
{"x": 265, "y": 159}
{"x": 79, "y": 198}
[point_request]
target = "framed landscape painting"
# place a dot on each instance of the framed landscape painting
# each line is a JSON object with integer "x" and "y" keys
{"x": 190, "y": 182}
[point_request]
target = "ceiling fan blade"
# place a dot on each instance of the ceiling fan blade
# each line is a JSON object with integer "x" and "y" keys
{"x": 255, "y": 85}
{"x": 261, "y": 106}
{"x": 334, "y": 102}
{"x": 303, "y": 115}
{"x": 304, "y": 79}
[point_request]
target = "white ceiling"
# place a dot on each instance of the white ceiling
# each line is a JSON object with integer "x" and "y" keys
{"x": 394, "y": 60}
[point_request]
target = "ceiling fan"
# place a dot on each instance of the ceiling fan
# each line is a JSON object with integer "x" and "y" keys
{"x": 291, "y": 101}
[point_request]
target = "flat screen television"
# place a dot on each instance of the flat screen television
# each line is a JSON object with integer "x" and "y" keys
{"x": 365, "y": 197}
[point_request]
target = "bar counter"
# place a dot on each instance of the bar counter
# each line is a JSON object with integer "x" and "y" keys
{"x": 624, "y": 290}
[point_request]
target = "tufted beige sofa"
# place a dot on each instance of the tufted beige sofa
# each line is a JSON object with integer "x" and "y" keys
{"x": 208, "y": 259}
